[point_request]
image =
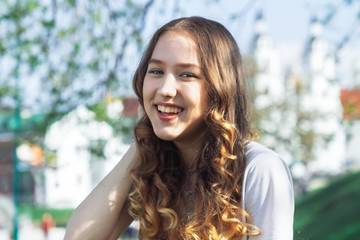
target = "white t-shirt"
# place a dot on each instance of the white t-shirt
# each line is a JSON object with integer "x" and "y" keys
{"x": 268, "y": 195}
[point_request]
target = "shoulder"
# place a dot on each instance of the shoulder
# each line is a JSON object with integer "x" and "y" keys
{"x": 264, "y": 166}
{"x": 261, "y": 158}
{"x": 268, "y": 192}
{"x": 258, "y": 154}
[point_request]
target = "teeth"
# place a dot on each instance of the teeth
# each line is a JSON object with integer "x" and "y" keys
{"x": 168, "y": 109}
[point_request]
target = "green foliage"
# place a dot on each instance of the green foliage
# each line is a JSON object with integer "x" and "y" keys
{"x": 122, "y": 125}
{"x": 96, "y": 148}
{"x": 331, "y": 213}
{"x": 61, "y": 216}
{"x": 76, "y": 52}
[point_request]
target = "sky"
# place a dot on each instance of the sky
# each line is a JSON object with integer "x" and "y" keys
{"x": 287, "y": 20}
{"x": 289, "y": 27}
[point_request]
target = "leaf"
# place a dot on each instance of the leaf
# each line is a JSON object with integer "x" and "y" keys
{"x": 34, "y": 61}
{"x": 72, "y": 3}
{"x": 32, "y": 5}
{"x": 55, "y": 39}
{"x": 2, "y": 47}
{"x": 48, "y": 24}
{"x": 76, "y": 48}
{"x": 96, "y": 17}
{"x": 94, "y": 65}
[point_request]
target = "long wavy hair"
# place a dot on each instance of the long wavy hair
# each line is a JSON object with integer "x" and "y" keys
{"x": 158, "y": 195}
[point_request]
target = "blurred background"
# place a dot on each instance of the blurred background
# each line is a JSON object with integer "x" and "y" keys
{"x": 67, "y": 108}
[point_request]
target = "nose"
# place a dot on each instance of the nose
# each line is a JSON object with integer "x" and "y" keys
{"x": 167, "y": 87}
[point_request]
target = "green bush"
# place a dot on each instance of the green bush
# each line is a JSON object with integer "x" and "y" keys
{"x": 60, "y": 215}
{"x": 331, "y": 213}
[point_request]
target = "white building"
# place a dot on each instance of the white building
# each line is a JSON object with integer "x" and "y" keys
{"x": 269, "y": 82}
{"x": 77, "y": 171}
{"x": 309, "y": 85}
{"x": 322, "y": 96}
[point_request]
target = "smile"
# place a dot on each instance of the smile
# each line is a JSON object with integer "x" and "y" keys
{"x": 167, "y": 113}
{"x": 170, "y": 110}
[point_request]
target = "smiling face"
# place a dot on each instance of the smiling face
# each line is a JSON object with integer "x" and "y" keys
{"x": 174, "y": 90}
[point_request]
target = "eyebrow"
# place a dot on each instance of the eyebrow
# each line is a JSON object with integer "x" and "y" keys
{"x": 157, "y": 61}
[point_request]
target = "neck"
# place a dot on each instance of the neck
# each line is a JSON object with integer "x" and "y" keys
{"x": 189, "y": 153}
{"x": 190, "y": 149}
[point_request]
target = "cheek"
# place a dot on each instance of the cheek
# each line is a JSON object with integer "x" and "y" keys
{"x": 199, "y": 97}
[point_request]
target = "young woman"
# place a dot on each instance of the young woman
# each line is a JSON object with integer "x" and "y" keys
{"x": 194, "y": 171}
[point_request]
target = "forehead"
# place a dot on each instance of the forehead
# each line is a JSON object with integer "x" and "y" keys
{"x": 176, "y": 46}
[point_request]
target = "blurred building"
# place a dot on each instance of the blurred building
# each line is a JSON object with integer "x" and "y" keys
{"x": 25, "y": 189}
{"x": 86, "y": 150}
{"x": 27, "y": 164}
{"x": 7, "y": 208}
{"x": 6, "y": 158}
{"x": 301, "y": 98}
{"x": 322, "y": 97}
{"x": 269, "y": 78}
{"x": 268, "y": 84}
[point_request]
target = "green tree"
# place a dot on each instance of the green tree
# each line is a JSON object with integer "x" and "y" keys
{"x": 56, "y": 55}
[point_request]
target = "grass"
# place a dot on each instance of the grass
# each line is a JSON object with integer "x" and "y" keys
{"x": 331, "y": 213}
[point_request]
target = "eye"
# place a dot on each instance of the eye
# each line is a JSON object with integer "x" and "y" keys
{"x": 156, "y": 71}
{"x": 188, "y": 75}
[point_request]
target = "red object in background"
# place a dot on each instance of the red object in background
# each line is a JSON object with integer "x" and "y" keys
{"x": 47, "y": 223}
{"x": 350, "y": 101}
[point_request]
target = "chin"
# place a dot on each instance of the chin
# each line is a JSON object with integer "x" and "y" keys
{"x": 165, "y": 137}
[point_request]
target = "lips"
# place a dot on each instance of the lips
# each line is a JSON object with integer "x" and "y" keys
{"x": 168, "y": 112}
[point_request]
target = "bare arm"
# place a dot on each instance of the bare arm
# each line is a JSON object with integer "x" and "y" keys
{"x": 103, "y": 213}
{"x": 123, "y": 222}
